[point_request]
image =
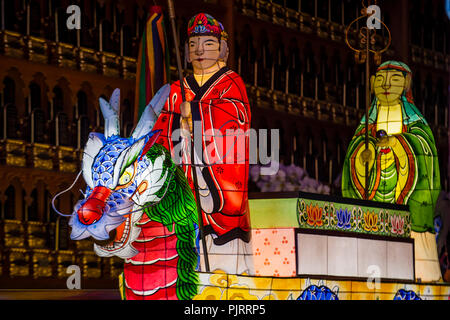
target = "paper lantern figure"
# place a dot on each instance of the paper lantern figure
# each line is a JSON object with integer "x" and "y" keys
{"x": 217, "y": 105}
{"x": 402, "y": 158}
{"x": 403, "y": 163}
{"x": 139, "y": 207}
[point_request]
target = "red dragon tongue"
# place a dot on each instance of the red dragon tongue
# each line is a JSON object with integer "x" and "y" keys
{"x": 92, "y": 210}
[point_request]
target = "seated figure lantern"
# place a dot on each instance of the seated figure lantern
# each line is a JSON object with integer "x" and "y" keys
{"x": 402, "y": 157}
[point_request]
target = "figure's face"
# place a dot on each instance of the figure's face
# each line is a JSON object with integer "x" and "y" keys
{"x": 389, "y": 85}
{"x": 204, "y": 52}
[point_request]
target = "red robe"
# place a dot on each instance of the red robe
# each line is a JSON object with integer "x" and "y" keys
{"x": 220, "y": 104}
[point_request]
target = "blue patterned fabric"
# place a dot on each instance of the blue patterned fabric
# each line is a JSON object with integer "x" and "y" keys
{"x": 103, "y": 166}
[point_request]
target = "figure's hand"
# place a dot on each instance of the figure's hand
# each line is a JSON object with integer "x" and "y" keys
{"x": 186, "y": 124}
{"x": 385, "y": 142}
{"x": 185, "y": 109}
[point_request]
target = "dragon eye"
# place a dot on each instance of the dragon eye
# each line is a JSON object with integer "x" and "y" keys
{"x": 127, "y": 175}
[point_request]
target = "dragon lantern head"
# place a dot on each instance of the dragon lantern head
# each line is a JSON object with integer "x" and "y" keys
{"x": 121, "y": 179}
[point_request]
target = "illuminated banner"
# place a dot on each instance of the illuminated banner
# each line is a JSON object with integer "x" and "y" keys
{"x": 317, "y": 212}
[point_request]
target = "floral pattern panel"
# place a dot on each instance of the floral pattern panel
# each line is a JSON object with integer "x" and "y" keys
{"x": 341, "y": 216}
{"x": 274, "y": 252}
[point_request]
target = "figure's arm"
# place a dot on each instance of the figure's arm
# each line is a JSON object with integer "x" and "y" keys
{"x": 427, "y": 185}
{"x": 228, "y": 113}
{"x": 354, "y": 169}
{"x": 421, "y": 140}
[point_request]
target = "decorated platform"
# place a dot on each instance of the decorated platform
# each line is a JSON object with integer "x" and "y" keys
{"x": 312, "y": 235}
{"x": 315, "y": 247}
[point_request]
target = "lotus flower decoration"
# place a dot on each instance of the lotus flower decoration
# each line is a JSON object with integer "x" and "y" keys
{"x": 314, "y": 215}
{"x": 344, "y": 218}
{"x": 370, "y": 222}
{"x": 397, "y": 224}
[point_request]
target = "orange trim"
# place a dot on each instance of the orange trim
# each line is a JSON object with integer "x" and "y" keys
{"x": 353, "y": 172}
{"x": 372, "y": 130}
{"x": 377, "y": 179}
{"x": 410, "y": 181}
{"x": 142, "y": 187}
{"x": 405, "y": 128}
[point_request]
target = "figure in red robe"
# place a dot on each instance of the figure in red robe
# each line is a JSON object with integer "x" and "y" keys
{"x": 219, "y": 114}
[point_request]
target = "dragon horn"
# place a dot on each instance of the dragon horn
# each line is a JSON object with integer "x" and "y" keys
{"x": 110, "y": 113}
{"x": 151, "y": 113}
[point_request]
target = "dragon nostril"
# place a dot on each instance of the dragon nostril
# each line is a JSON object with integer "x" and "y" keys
{"x": 92, "y": 210}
